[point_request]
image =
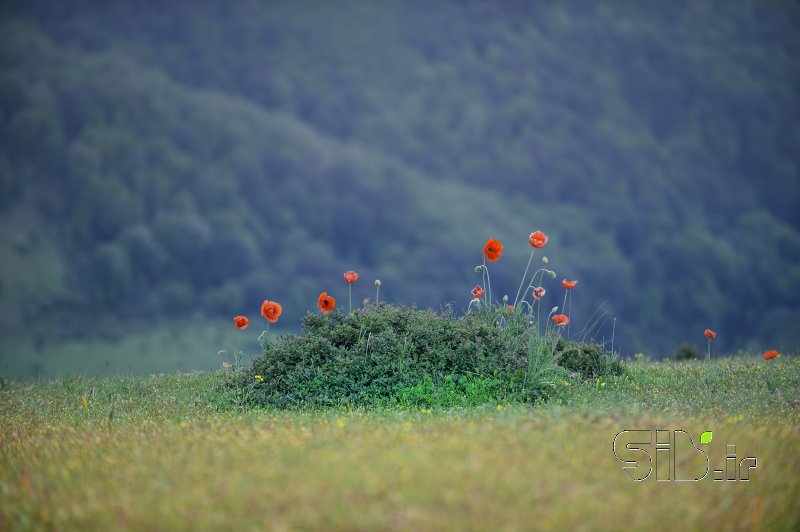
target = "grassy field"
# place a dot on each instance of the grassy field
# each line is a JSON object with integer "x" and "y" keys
{"x": 173, "y": 456}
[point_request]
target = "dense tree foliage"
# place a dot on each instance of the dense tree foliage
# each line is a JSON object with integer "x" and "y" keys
{"x": 206, "y": 156}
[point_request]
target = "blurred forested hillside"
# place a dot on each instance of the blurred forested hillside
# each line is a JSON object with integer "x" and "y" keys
{"x": 164, "y": 159}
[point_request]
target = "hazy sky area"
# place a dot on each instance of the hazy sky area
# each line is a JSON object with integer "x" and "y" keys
{"x": 167, "y": 165}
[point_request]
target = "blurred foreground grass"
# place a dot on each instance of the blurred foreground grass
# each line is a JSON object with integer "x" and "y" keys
{"x": 177, "y": 458}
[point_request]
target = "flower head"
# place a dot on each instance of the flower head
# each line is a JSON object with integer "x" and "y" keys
{"x": 241, "y": 322}
{"x": 377, "y": 283}
{"x": 271, "y": 310}
{"x": 493, "y": 249}
{"x": 538, "y": 239}
{"x": 350, "y": 276}
{"x": 510, "y": 308}
{"x": 710, "y": 334}
{"x": 325, "y": 302}
{"x": 569, "y": 285}
{"x": 538, "y": 293}
{"x": 477, "y": 292}
{"x": 772, "y": 353}
{"x": 561, "y": 319}
{"x": 259, "y": 378}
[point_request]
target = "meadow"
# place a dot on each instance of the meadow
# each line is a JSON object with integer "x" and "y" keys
{"x": 165, "y": 169}
{"x": 167, "y": 452}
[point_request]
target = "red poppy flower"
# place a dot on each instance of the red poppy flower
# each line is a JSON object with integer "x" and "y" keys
{"x": 510, "y": 308}
{"x": 538, "y": 293}
{"x": 350, "y": 276}
{"x": 477, "y": 292}
{"x": 710, "y": 334}
{"x": 326, "y": 303}
{"x": 772, "y": 353}
{"x": 538, "y": 239}
{"x": 271, "y": 310}
{"x": 569, "y": 285}
{"x": 493, "y": 249}
{"x": 561, "y": 319}
{"x": 241, "y": 322}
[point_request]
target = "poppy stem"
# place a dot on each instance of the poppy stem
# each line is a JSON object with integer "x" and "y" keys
{"x": 531, "y": 285}
{"x": 489, "y": 283}
{"x": 350, "y": 296}
{"x": 613, "y": 333}
{"x": 538, "y": 305}
{"x": 708, "y": 351}
{"x": 237, "y": 355}
{"x": 524, "y": 276}
{"x": 569, "y": 324}
{"x": 484, "y": 287}
{"x": 377, "y": 293}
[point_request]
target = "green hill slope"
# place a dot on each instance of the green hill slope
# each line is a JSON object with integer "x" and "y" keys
{"x": 173, "y": 160}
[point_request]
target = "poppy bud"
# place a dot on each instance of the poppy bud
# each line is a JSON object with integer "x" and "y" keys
{"x": 377, "y": 283}
{"x": 552, "y": 274}
{"x": 479, "y": 268}
{"x": 555, "y": 309}
{"x": 545, "y": 260}
{"x": 505, "y": 299}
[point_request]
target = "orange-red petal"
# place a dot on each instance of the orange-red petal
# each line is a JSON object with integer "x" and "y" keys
{"x": 538, "y": 239}
{"x": 325, "y": 302}
{"x": 493, "y": 250}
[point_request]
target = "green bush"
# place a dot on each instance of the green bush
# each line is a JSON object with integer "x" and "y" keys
{"x": 590, "y": 360}
{"x": 687, "y": 352}
{"x": 383, "y": 354}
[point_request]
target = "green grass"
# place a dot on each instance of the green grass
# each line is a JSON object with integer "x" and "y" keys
{"x": 179, "y": 456}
